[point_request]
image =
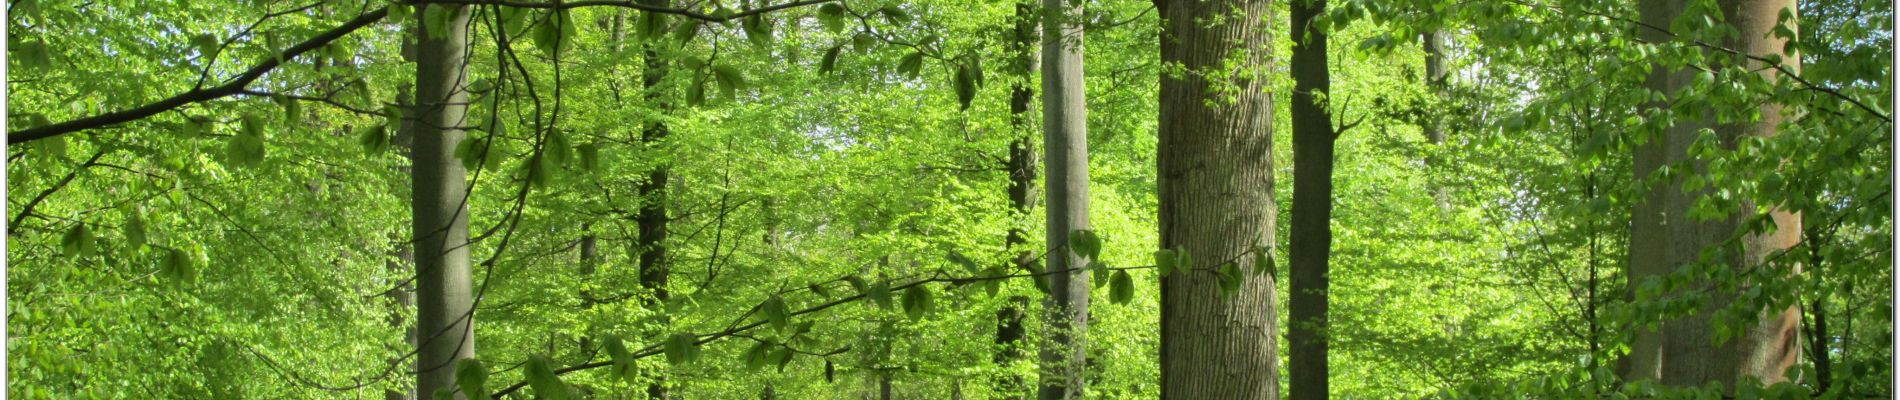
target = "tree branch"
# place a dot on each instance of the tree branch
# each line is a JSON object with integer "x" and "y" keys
{"x": 235, "y": 86}
{"x": 631, "y": 4}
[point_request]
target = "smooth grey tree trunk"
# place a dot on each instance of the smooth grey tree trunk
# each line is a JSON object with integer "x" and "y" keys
{"x": 1065, "y": 145}
{"x": 1216, "y": 197}
{"x": 444, "y": 304}
{"x": 1310, "y": 248}
{"x": 1664, "y": 238}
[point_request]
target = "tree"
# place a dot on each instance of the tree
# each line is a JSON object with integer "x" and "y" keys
{"x": 1021, "y": 166}
{"x": 1666, "y": 234}
{"x": 1216, "y": 199}
{"x": 445, "y": 306}
{"x": 652, "y": 220}
{"x": 1065, "y": 145}
{"x": 1311, "y": 245}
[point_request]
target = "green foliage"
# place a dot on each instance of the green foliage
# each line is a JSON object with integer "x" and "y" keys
{"x": 251, "y": 246}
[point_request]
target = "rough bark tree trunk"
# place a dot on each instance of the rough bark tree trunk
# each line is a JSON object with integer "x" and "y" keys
{"x": 444, "y": 304}
{"x": 1065, "y": 145}
{"x": 1022, "y": 197}
{"x": 1664, "y": 237}
{"x": 1310, "y": 248}
{"x": 651, "y": 243}
{"x": 1216, "y": 198}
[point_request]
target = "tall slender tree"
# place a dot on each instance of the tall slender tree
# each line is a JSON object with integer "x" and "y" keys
{"x": 444, "y": 313}
{"x": 652, "y": 220}
{"x": 1066, "y": 147}
{"x": 1216, "y": 198}
{"x": 1664, "y": 236}
{"x": 1311, "y": 245}
{"x": 1022, "y": 180}
{"x": 1435, "y": 74}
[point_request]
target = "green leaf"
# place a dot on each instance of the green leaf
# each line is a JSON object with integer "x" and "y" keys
{"x": 1121, "y": 288}
{"x": 965, "y": 83}
{"x": 472, "y": 377}
{"x": 782, "y": 356}
{"x": 862, "y": 42}
{"x": 729, "y": 80}
{"x": 1084, "y": 243}
{"x": 134, "y": 229}
{"x": 558, "y": 149}
{"x": 819, "y": 290}
{"x": 1182, "y": 260}
{"x": 685, "y": 31}
{"x": 757, "y": 356}
{"x": 682, "y": 348}
{"x": 775, "y": 312}
{"x": 1164, "y": 261}
{"x": 177, "y": 266}
{"x": 514, "y": 19}
{"x": 757, "y": 29}
{"x": 375, "y": 140}
{"x": 917, "y": 302}
{"x": 651, "y": 26}
{"x": 624, "y": 365}
{"x": 696, "y": 93}
{"x": 590, "y": 156}
{"x": 553, "y": 33}
{"x": 247, "y": 148}
{"x": 857, "y": 283}
{"x": 965, "y": 261}
{"x": 1230, "y": 278}
{"x": 547, "y": 385}
{"x": 895, "y": 15}
{"x": 880, "y": 293}
{"x": 830, "y": 62}
{"x": 32, "y": 54}
{"x": 399, "y": 11}
{"x": 293, "y": 109}
{"x": 832, "y": 16}
{"x": 911, "y": 65}
{"x": 1263, "y": 262}
{"x": 78, "y": 242}
{"x": 436, "y": 19}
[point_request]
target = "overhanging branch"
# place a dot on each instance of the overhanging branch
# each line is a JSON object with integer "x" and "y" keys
{"x": 235, "y": 86}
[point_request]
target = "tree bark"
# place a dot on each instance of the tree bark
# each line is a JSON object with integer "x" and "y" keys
{"x": 651, "y": 244}
{"x": 1022, "y": 197}
{"x": 1065, "y": 144}
{"x": 1310, "y": 248}
{"x": 444, "y": 304}
{"x": 1434, "y": 43}
{"x": 1216, "y": 199}
{"x": 1663, "y": 237}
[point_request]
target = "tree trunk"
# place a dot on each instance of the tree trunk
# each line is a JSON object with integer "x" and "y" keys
{"x": 651, "y": 244}
{"x": 1216, "y": 198}
{"x": 590, "y": 260}
{"x": 444, "y": 306}
{"x": 1065, "y": 143}
{"x": 1434, "y": 43}
{"x": 1663, "y": 237}
{"x": 1311, "y": 245}
{"x": 1022, "y": 178}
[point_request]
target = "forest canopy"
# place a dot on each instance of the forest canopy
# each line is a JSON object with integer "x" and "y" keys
{"x": 949, "y": 199}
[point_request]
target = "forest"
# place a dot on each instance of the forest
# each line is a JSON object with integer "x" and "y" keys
{"x": 949, "y": 199}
